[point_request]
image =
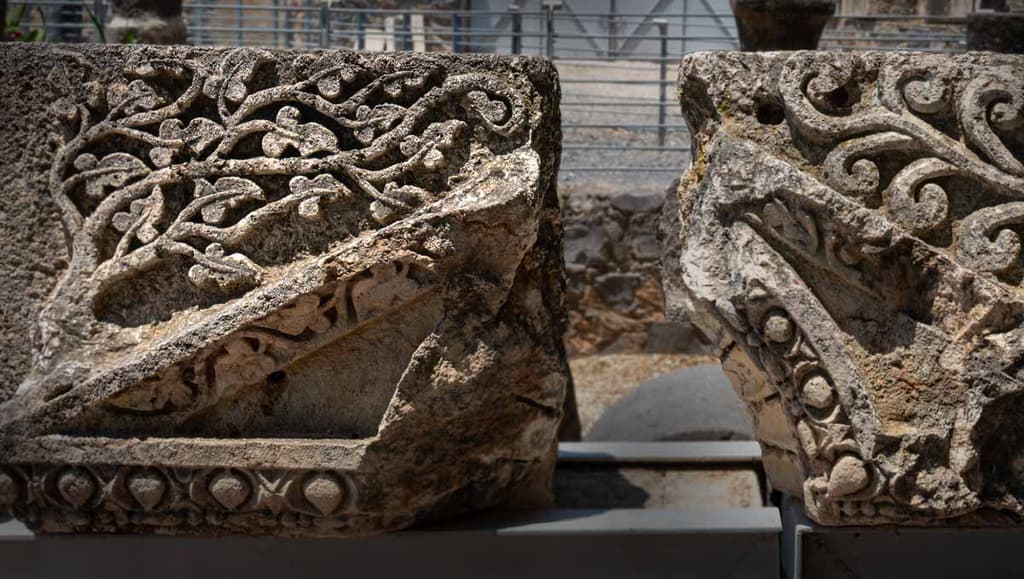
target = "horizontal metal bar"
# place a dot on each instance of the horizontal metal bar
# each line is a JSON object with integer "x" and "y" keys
{"x": 215, "y": 5}
{"x": 666, "y": 149}
{"x": 618, "y": 104}
{"x": 613, "y": 81}
{"x": 739, "y": 451}
{"x": 622, "y": 169}
{"x": 903, "y": 17}
{"x": 619, "y": 126}
{"x": 850, "y": 35}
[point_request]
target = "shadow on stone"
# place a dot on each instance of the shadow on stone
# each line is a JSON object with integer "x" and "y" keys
{"x": 696, "y": 403}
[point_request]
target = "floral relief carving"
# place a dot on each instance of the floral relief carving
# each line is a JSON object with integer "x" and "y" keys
{"x": 201, "y": 141}
{"x": 908, "y": 110}
{"x": 858, "y": 265}
{"x": 280, "y": 269}
{"x": 109, "y": 497}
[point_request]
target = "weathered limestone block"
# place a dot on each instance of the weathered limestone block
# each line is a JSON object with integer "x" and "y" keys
{"x": 302, "y": 293}
{"x": 851, "y": 241}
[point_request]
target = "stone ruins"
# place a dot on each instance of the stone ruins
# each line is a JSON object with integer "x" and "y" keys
{"x": 849, "y": 237}
{"x": 277, "y": 292}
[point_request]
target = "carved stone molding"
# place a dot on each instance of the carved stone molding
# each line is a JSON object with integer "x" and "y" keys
{"x": 302, "y": 293}
{"x": 850, "y": 230}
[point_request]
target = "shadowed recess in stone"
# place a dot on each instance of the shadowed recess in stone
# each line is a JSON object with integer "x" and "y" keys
{"x": 324, "y": 287}
{"x": 857, "y": 259}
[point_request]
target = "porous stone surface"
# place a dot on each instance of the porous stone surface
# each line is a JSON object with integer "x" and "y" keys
{"x": 850, "y": 242}
{"x": 270, "y": 292}
{"x": 613, "y": 292}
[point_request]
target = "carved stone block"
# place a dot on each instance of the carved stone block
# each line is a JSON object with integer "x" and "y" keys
{"x": 851, "y": 241}
{"x": 301, "y": 293}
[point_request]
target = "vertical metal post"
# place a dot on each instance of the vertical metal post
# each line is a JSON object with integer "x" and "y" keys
{"x": 662, "y": 74}
{"x": 307, "y": 19}
{"x": 613, "y": 23}
{"x": 361, "y": 28}
{"x": 549, "y": 28}
{"x": 99, "y": 8}
{"x": 277, "y": 23}
{"x": 517, "y": 28}
{"x": 325, "y": 25}
{"x": 99, "y": 11}
{"x": 407, "y": 31}
{"x": 457, "y": 32}
{"x": 239, "y": 19}
{"x": 197, "y": 17}
{"x": 686, "y": 28}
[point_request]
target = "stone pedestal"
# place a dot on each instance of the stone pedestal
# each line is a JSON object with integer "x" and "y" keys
{"x": 781, "y": 24}
{"x": 145, "y": 22}
{"x": 996, "y": 31}
{"x": 295, "y": 294}
{"x": 850, "y": 234}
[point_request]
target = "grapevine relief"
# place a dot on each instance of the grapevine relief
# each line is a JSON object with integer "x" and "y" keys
{"x": 178, "y": 166}
{"x": 305, "y": 293}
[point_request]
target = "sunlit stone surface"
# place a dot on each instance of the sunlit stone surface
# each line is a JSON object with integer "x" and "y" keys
{"x": 295, "y": 293}
{"x": 850, "y": 239}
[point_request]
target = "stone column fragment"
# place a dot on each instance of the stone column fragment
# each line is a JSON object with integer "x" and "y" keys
{"x": 301, "y": 293}
{"x": 145, "y": 22}
{"x": 850, "y": 238}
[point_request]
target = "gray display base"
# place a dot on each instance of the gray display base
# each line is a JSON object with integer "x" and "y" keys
{"x": 556, "y": 543}
{"x": 814, "y": 552}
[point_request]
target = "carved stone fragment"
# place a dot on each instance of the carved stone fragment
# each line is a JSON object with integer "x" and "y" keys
{"x": 850, "y": 231}
{"x": 301, "y": 293}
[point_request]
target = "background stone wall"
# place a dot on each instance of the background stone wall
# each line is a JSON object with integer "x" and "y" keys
{"x": 612, "y": 256}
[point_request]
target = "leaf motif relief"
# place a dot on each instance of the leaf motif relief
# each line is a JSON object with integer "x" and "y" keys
{"x": 235, "y": 72}
{"x": 396, "y": 84}
{"x": 224, "y": 272}
{"x": 160, "y": 393}
{"x": 377, "y": 120}
{"x": 141, "y": 219}
{"x": 397, "y": 201}
{"x": 796, "y": 226}
{"x": 136, "y": 97}
{"x": 331, "y": 81}
{"x": 228, "y": 193}
{"x": 199, "y": 135}
{"x": 112, "y": 171}
{"x": 494, "y": 111}
{"x": 149, "y": 67}
{"x": 243, "y": 362}
{"x": 305, "y": 313}
{"x": 307, "y": 138}
{"x": 313, "y": 191}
